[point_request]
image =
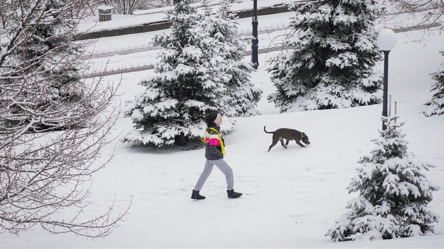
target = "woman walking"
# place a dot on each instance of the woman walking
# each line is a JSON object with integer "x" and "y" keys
{"x": 214, "y": 153}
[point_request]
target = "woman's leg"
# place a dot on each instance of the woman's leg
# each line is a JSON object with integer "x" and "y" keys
{"x": 204, "y": 176}
{"x": 228, "y": 172}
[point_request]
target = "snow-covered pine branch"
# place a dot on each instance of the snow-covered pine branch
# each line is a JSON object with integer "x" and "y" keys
{"x": 435, "y": 106}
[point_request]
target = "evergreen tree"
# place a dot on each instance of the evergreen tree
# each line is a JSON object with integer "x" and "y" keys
{"x": 199, "y": 71}
{"x": 436, "y": 104}
{"x": 243, "y": 96}
{"x": 332, "y": 57}
{"x": 50, "y": 51}
{"x": 393, "y": 193}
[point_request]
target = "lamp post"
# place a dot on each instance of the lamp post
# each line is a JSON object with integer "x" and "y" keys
{"x": 254, "y": 46}
{"x": 386, "y": 42}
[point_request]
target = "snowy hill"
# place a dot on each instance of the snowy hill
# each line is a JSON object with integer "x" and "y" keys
{"x": 291, "y": 196}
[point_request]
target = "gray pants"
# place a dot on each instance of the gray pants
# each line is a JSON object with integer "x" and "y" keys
{"x": 223, "y": 166}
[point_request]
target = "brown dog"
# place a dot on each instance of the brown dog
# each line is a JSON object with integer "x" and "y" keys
{"x": 288, "y": 134}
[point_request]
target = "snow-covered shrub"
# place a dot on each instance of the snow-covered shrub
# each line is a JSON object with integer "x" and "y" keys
{"x": 331, "y": 57}
{"x": 436, "y": 105}
{"x": 200, "y": 71}
{"x": 393, "y": 193}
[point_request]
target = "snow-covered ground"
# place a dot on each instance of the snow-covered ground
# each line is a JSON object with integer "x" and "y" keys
{"x": 291, "y": 196}
{"x": 267, "y": 38}
{"x": 141, "y": 17}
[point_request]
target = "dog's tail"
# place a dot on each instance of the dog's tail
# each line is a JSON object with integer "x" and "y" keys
{"x": 267, "y": 131}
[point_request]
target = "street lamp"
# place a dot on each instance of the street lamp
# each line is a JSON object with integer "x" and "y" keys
{"x": 254, "y": 46}
{"x": 386, "y": 42}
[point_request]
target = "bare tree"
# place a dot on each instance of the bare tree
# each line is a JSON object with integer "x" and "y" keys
{"x": 150, "y": 4}
{"x": 429, "y": 13}
{"x": 53, "y": 125}
{"x": 127, "y": 7}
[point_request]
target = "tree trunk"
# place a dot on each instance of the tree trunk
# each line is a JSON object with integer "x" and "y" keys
{"x": 180, "y": 140}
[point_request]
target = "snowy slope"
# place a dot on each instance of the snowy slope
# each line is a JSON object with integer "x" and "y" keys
{"x": 291, "y": 196}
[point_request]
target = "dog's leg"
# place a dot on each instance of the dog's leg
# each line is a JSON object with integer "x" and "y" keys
{"x": 275, "y": 140}
{"x": 298, "y": 142}
{"x": 282, "y": 142}
{"x": 286, "y": 144}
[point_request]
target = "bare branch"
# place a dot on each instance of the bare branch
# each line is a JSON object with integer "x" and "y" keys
{"x": 53, "y": 125}
{"x": 428, "y": 12}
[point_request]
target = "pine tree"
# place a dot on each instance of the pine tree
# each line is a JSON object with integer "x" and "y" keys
{"x": 199, "y": 71}
{"x": 50, "y": 50}
{"x": 330, "y": 64}
{"x": 393, "y": 193}
{"x": 436, "y": 104}
{"x": 243, "y": 96}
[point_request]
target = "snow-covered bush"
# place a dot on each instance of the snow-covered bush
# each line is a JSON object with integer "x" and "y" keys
{"x": 331, "y": 57}
{"x": 436, "y": 105}
{"x": 200, "y": 70}
{"x": 393, "y": 193}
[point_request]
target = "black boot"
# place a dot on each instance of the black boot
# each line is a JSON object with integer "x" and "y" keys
{"x": 197, "y": 196}
{"x": 232, "y": 194}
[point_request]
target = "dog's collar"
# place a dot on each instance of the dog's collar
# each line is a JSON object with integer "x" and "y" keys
{"x": 302, "y": 135}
